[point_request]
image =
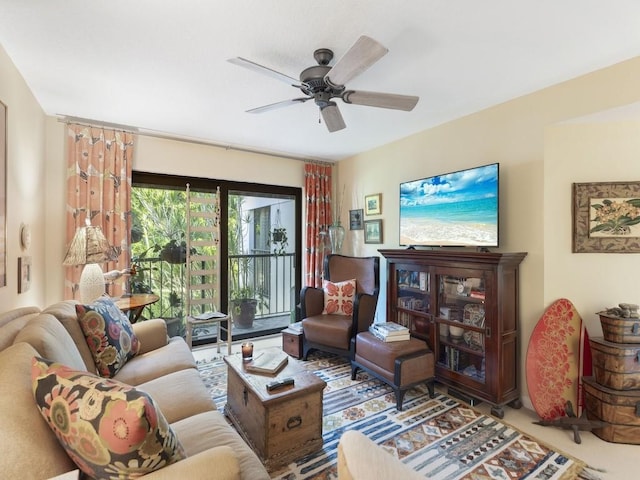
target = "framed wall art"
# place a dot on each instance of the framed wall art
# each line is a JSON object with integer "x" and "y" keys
{"x": 373, "y": 204}
{"x": 606, "y": 217}
{"x": 3, "y": 195}
{"x": 373, "y": 231}
{"x": 24, "y": 274}
{"x": 355, "y": 219}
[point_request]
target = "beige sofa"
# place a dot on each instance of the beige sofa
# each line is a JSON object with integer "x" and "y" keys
{"x": 164, "y": 368}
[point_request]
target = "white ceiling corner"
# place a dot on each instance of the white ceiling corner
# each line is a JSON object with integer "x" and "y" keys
{"x": 161, "y": 66}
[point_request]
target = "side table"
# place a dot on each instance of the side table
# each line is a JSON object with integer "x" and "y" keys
{"x": 134, "y": 304}
{"x": 292, "y": 338}
{"x": 281, "y": 425}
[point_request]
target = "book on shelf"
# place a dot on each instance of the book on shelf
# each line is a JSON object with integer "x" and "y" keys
{"x": 389, "y": 338}
{"x": 413, "y": 303}
{"x": 269, "y": 362}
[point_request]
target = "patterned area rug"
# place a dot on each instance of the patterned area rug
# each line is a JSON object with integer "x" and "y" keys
{"x": 440, "y": 437}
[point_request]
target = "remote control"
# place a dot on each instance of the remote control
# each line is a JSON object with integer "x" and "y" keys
{"x": 279, "y": 384}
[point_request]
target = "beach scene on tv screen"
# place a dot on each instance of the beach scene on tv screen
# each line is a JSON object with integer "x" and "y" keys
{"x": 455, "y": 209}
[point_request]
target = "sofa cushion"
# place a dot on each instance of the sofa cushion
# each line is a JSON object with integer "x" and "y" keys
{"x": 29, "y": 447}
{"x": 168, "y": 391}
{"x": 109, "y": 335}
{"x": 10, "y": 328}
{"x": 65, "y": 312}
{"x": 331, "y": 330}
{"x": 173, "y": 357}
{"x": 108, "y": 428}
{"x": 338, "y": 297}
{"x": 209, "y": 430}
{"x": 218, "y": 463}
{"x": 51, "y": 340}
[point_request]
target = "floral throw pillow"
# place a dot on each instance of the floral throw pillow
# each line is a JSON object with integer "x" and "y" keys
{"x": 109, "y": 335}
{"x": 109, "y": 429}
{"x": 338, "y": 297}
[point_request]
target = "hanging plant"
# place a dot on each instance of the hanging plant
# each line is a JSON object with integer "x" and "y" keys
{"x": 278, "y": 236}
{"x": 279, "y": 240}
{"x": 174, "y": 252}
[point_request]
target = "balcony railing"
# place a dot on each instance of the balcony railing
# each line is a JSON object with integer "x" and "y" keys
{"x": 271, "y": 276}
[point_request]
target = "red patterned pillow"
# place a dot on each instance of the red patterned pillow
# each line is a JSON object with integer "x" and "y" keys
{"x": 109, "y": 429}
{"x": 338, "y": 297}
{"x": 109, "y": 335}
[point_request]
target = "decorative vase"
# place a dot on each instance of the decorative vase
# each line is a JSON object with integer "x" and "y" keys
{"x": 336, "y": 237}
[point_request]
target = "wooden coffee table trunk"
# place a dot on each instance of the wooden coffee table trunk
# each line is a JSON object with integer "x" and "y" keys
{"x": 279, "y": 426}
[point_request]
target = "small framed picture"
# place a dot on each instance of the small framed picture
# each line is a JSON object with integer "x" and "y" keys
{"x": 373, "y": 231}
{"x": 355, "y": 219}
{"x": 24, "y": 274}
{"x": 373, "y": 204}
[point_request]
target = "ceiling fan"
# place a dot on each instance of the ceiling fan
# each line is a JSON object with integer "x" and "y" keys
{"x": 322, "y": 83}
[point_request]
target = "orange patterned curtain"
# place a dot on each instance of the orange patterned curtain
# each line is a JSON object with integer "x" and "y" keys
{"x": 99, "y": 163}
{"x": 317, "y": 179}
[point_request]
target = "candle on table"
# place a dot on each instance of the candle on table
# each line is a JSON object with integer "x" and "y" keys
{"x": 247, "y": 351}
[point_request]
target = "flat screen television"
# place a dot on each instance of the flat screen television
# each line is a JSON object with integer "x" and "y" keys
{"x": 452, "y": 209}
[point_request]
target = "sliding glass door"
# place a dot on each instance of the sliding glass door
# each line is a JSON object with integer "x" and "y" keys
{"x": 262, "y": 268}
{"x": 260, "y": 251}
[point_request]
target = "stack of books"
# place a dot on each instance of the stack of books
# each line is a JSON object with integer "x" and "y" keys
{"x": 390, "y": 332}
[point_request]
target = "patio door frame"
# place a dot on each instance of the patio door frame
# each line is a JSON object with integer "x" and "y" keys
{"x": 210, "y": 185}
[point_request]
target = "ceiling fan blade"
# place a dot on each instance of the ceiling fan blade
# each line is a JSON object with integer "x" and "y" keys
{"x": 382, "y": 100}
{"x": 274, "y": 106}
{"x": 256, "y": 67}
{"x": 364, "y": 53}
{"x": 332, "y": 117}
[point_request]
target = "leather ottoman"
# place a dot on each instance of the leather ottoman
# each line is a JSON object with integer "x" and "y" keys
{"x": 401, "y": 365}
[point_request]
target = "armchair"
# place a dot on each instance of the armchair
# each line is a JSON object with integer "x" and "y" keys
{"x": 333, "y": 332}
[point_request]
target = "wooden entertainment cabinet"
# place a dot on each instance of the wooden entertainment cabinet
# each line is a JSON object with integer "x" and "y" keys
{"x": 465, "y": 306}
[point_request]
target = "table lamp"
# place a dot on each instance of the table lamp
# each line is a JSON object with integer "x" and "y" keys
{"x": 89, "y": 247}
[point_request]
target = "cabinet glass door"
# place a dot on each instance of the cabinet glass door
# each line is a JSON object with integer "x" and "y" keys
{"x": 413, "y": 300}
{"x": 460, "y": 324}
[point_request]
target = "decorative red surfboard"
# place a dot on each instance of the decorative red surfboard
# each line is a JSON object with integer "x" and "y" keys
{"x": 558, "y": 357}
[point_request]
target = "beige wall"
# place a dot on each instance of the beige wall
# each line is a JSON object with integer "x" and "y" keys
{"x": 25, "y": 179}
{"x": 587, "y": 152}
{"x": 159, "y": 155}
{"x": 533, "y": 192}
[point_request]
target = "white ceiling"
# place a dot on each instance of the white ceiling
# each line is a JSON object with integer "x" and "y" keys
{"x": 161, "y": 66}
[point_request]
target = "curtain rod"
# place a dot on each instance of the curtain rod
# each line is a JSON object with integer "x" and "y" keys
{"x": 166, "y": 136}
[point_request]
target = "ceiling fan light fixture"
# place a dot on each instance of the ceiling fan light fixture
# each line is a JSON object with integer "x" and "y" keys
{"x": 332, "y": 117}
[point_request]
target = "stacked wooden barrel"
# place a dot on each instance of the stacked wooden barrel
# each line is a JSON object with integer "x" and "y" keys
{"x": 612, "y": 395}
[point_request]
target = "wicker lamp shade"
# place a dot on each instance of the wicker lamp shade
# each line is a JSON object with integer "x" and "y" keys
{"x": 89, "y": 247}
